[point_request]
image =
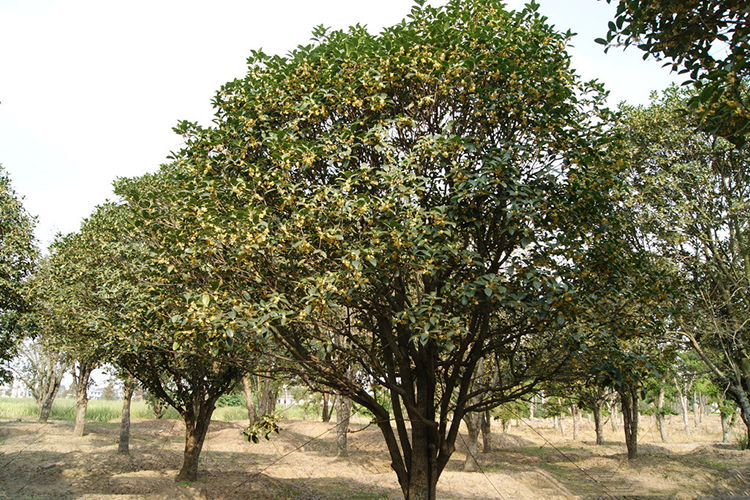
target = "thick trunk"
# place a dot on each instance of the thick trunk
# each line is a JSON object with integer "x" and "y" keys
{"x": 741, "y": 398}
{"x": 343, "y": 415}
{"x": 561, "y": 420}
{"x": 128, "y": 388}
{"x": 486, "y": 431}
{"x": 82, "y": 399}
{"x": 423, "y": 473}
{"x": 629, "y": 403}
{"x": 247, "y": 385}
{"x": 325, "y": 414}
{"x": 598, "y": 424}
{"x": 660, "y": 415}
{"x": 473, "y": 423}
{"x": 197, "y": 421}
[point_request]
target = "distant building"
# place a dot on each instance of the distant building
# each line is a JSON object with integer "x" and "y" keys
{"x": 285, "y": 397}
{"x": 95, "y": 392}
{"x": 15, "y": 389}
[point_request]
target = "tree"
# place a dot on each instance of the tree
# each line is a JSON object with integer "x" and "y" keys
{"x": 68, "y": 291}
{"x": 706, "y": 39}
{"x": 18, "y": 254}
{"x": 177, "y": 333}
{"x": 42, "y": 366}
{"x": 690, "y": 192}
{"x": 419, "y": 194}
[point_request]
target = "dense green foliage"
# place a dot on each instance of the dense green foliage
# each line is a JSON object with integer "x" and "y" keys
{"x": 708, "y": 40}
{"x": 18, "y": 254}
{"x": 407, "y": 204}
{"x": 432, "y": 221}
{"x": 690, "y": 193}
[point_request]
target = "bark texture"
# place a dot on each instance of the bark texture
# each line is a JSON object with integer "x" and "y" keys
{"x": 123, "y": 445}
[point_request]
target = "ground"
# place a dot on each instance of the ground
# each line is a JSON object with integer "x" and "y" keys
{"x": 531, "y": 461}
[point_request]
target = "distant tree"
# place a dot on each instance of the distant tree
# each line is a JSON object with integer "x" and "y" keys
{"x": 690, "y": 194}
{"x": 706, "y": 39}
{"x": 18, "y": 254}
{"x": 41, "y": 366}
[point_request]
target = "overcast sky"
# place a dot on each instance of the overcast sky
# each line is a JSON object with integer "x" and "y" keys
{"x": 91, "y": 89}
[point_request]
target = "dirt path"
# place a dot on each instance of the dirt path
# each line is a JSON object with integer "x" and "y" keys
{"x": 45, "y": 462}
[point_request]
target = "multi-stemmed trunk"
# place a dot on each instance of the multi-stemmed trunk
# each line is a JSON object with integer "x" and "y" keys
{"x": 629, "y": 402}
{"x": 197, "y": 417}
{"x": 82, "y": 376}
{"x": 47, "y": 396}
{"x": 128, "y": 387}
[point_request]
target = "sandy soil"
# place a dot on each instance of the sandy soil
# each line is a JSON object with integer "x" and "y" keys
{"x": 532, "y": 461}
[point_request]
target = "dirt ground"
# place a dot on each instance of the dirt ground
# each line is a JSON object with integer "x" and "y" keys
{"x": 532, "y": 461}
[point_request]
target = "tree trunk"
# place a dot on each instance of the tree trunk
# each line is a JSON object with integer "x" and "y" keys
{"x": 660, "y": 415}
{"x": 423, "y": 473}
{"x": 128, "y": 387}
{"x": 598, "y": 424}
{"x": 683, "y": 399}
{"x": 473, "y": 423}
{"x": 486, "y": 432}
{"x": 267, "y": 397}
{"x": 629, "y": 403}
{"x": 613, "y": 415}
{"x": 574, "y": 413}
{"x": 740, "y": 396}
{"x": 82, "y": 378}
{"x": 247, "y": 385}
{"x": 44, "y": 404}
{"x": 325, "y": 414}
{"x": 696, "y": 410}
{"x": 684, "y": 410}
{"x": 197, "y": 419}
{"x": 343, "y": 415}
{"x": 726, "y": 425}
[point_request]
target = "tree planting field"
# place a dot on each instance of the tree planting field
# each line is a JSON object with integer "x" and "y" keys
{"x": 531, "y": 461}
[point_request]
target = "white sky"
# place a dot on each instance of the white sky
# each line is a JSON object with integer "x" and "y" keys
{"x": 91, "y": 89}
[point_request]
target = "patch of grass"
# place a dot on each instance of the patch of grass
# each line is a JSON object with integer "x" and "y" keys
{"x": 98, "y": 410}
{"x": 17, "y": 407}
{"x": 228, "y": 413}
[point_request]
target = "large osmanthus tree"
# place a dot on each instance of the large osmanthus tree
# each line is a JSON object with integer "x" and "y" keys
{"x": 690, "y": 191}
{"x": 707, "y": 40}
{"x": 409, "y": 204}
{"x": 18, "y": 254}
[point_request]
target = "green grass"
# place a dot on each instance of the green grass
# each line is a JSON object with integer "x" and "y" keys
{"x": 99, "y": 410}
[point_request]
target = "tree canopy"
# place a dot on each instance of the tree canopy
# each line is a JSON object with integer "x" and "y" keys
{"x": 708, "y": 40}
{"x": 409, "y": 204}
{"x": 690, "y": 193}
{"x": 18, "y": 254}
